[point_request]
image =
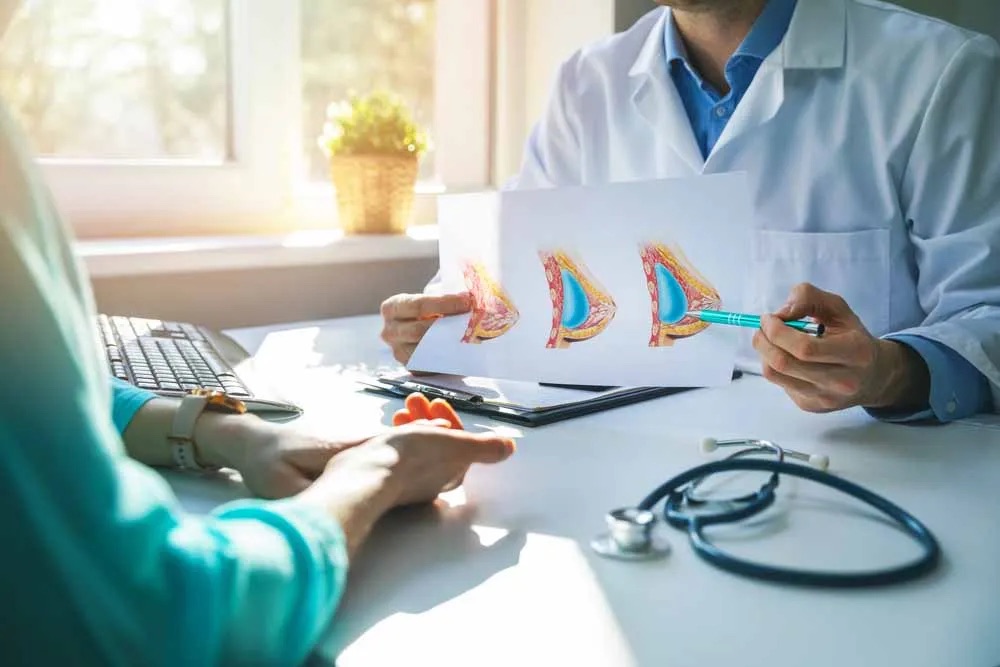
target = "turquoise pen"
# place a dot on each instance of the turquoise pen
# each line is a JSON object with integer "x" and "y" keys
{"x": 752, "y": 321}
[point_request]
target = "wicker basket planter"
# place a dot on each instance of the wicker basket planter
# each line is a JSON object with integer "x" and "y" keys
{"x": 374, "y": 192}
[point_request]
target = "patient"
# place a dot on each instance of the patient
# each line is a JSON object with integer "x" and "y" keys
{"x": 100, "y": 565}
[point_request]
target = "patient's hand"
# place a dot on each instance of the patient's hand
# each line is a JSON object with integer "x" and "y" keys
{"x": 275, "y": 461}
{"x": 407, "y": 318}
{"x": 420, "y": 460}
{"x": 403, "y": 466}
{"x": 420, "y": 408}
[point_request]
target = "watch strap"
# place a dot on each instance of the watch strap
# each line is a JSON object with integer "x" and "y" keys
{"x": 181, "y": 438}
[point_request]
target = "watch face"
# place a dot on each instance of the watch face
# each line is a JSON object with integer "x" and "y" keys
{"x": 219, "y": 402}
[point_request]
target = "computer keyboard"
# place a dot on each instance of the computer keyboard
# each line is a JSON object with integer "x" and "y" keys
{"x": 170, "y": 358}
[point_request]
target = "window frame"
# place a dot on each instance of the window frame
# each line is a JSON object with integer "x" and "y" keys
{"x": 260, "y": 187}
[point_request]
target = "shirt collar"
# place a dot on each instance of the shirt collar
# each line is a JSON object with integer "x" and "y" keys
{"x": 766, "y": 34}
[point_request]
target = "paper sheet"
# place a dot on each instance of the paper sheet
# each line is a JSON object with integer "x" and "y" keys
{"x": 591, "y": 285}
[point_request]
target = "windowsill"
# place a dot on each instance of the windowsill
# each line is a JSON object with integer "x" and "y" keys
{"x": 150, "y": 256}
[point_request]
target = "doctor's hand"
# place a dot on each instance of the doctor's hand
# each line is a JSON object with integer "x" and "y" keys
{"x": 407, "y": 317}
{"x": 844, "y": 368}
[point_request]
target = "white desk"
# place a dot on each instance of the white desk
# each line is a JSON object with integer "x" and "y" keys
{"x": 508, "y": 578}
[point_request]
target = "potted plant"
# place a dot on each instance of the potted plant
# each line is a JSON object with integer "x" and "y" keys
{"x": 374, "y": 148}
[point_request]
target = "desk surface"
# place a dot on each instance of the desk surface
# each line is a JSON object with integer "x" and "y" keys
{"x": 501, "y": 573}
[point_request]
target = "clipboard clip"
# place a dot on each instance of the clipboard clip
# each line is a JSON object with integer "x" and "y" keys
{"x": 404, "y": 387}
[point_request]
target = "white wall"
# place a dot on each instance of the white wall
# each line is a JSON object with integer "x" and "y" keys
{"x": 536, "y": 36}
{"x": 225, "y": 299}
{"x": 556, "y": 29}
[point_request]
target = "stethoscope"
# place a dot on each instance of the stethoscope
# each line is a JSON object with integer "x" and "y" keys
{"x": 632, "y": 533}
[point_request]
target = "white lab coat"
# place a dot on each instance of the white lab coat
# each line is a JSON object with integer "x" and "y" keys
{"x": 871, "y": 138}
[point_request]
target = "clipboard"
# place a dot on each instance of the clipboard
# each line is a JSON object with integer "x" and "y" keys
{"x": 521, "y": 403}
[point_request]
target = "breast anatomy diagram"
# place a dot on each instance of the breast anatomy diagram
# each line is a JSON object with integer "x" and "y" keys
{"x": 582, "y": 309}
{"x": 676, "y": 291}
{"x": 493, "y": 313}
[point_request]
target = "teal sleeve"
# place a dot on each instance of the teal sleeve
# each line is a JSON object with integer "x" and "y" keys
{"x": 126, "y": 400}
{"x": 101, "y": 566}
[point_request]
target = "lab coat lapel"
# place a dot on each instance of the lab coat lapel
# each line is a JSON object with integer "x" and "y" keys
{"x": 759, "y": 105}
{"x": 656, "y": 99}
{"x": 816, "y": 39}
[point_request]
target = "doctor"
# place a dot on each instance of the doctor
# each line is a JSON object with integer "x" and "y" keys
{"x": 871, "y": 136}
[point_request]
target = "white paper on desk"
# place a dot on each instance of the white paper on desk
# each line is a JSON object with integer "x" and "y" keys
{"x": 568, "y": 290}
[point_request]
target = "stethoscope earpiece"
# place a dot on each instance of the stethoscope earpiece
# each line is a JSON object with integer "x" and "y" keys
{"x": 709, "y": 445}
{"x": 818, "y": 461}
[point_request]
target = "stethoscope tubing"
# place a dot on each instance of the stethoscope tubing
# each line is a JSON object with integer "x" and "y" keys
{"x": 695, "y": 524}
{"x": 755, "y": 448}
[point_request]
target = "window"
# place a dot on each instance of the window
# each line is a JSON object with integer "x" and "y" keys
{"x": 120, "y": 79}
{"x": 353, "y": 45}
{"x": 195, "y": 116}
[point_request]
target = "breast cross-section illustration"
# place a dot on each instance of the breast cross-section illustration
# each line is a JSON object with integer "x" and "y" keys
{"x": 581, "y": 308}
{"x": 675, "y": 289}
{"x": 493, "y": 312}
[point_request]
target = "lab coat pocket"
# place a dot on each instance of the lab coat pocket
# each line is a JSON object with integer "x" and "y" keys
{"x": 854, "y": 265}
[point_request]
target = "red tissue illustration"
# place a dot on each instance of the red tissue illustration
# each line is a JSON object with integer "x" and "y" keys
{"x": 493, "y": 313}
{"x": 676, "y": 290}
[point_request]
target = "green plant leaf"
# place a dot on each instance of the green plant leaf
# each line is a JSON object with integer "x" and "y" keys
{"x": 375, "y": 124}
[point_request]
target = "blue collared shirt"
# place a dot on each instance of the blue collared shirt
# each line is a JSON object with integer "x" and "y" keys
{"x": 709, "y": 110}
{"x": 957, "y": 388}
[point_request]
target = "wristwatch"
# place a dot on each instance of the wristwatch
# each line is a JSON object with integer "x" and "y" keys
{"x": 181, "y": 437}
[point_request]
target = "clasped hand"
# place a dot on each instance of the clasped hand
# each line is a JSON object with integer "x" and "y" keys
{"x": 426, "y": 452}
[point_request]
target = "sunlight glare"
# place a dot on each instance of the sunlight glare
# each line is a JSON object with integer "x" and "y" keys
{"x": 489, "y": 536}
{"x": 290, "y": 350}
{"x": 455, "y": 498}
{"x": 318, "y": 238}
{"x": 423, "y": 232}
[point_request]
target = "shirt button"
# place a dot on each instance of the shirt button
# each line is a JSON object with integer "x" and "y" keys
{"x": 721, "y": 111}
{"x": 951, "y": 406}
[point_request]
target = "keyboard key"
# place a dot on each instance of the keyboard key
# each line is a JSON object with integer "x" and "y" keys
{"x": 166, "y": 355}
{"x": 192, "y": 332}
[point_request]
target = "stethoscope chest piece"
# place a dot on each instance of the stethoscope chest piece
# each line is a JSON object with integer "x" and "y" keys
{"x": 631, "y": 535}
